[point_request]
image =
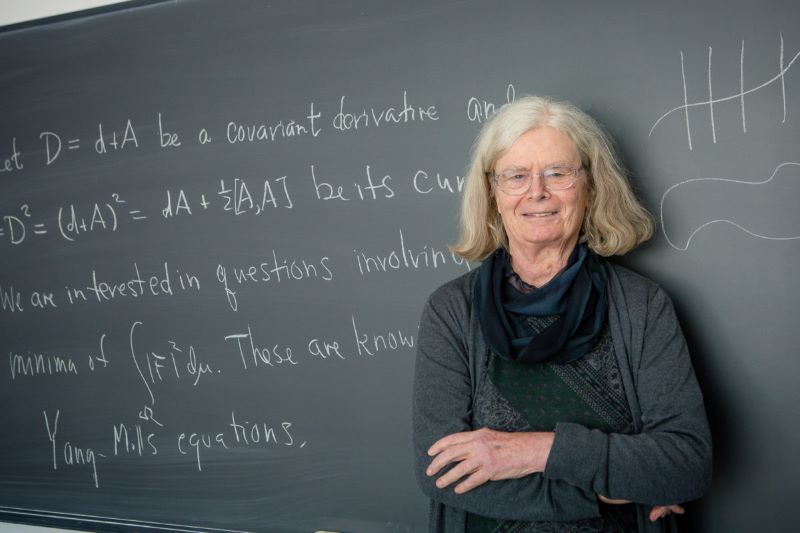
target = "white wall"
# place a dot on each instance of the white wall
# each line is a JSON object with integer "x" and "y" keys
{"x": 13, "y": 11}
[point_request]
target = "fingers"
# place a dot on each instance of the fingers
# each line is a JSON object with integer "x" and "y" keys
{"x": 450, "y": 440}
{"x": 486, "y": 454}
{"x": 452, "y": 448}
{"x": 471, "y": 473}
{"x": 467, "y": 468}
{"x": 657, "y": 512}
{"x": 611, "y": 501}
{"x": 477, "y": 479}
{"x": 458, "y": 471}
{"x": 446, "y": 456}
{"x": 462, "y": 449}
{"x": 660, "y": 511}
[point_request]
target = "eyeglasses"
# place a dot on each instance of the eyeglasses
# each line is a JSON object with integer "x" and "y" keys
{"x": 555, "y": 178}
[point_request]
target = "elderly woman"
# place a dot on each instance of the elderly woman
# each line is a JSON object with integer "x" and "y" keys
{"x": 553, "y": 389}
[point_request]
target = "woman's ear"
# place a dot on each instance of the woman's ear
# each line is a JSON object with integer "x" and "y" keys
{"x": 493, "y": 198}
{"x": 590, "y": 192}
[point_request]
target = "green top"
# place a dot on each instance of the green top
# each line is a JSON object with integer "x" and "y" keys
{"x": 536, "y": 397}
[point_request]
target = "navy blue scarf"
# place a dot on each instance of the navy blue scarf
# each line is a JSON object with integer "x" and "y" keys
{"x": 575, "y": 302}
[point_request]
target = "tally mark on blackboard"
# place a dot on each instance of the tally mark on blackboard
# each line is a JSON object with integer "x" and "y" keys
{"x": 721, "y": 220}
{"x": 711, "y": 101}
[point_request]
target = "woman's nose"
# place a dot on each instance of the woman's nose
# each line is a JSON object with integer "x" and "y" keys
{"x": 536, "y": 188}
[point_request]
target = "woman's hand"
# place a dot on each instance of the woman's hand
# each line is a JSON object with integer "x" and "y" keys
{"x": 658, "y": 511}
{"x": 485, "y": 454}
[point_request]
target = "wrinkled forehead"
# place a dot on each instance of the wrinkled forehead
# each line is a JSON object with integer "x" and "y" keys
{"x": 506, "y": 140}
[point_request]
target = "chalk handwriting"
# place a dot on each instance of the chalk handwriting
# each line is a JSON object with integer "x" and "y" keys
{"x": 141, "y": 439}
{"x": 53, "y": 144}
{"x": 326, "y": 191}
{"x": 42, "y": 299}
{"x": 173, "y": 363}
{"x": 71, "y": 454}
{"x": 102, "y": 359}
{"x": 51, "y": 434}
{"x": 277, "y": 270}
{"x": 180, "y": 205}
{"x": 38, "y": 364}
{"x": 324, "y": 348}
{"x": 102, "y": 216}
{"x": 722, "y": 221}
{"x": 363, "y": 343}
{"x": 147, "y": 415}
{"x": 11, "y": 162}
{"x": 406, "y": 257}
{"x": 270, "y": 355}
{"x": 73, "y": 221}
{"x": 373, "y": 343}
{"x": 373, "y": 189}
{"x": 167, "y": 284}
{"x": 346, "y": 120}
{"x": 35, "y": 363}
{"x": 16, "y": 226}
{"x": 266, "y": 132}
{"x": 134, "y": 439}
{"x": 103, "y": 144}
{"x": 240, "y": 433}
{"x": 738, "y": 96}
{"x": 10, "y": 299}
{"x": 425, "y": 183}
{"x": 239, "y": 200}
{"x": 479, "y": 110}
{"x": 167, "y": 138}
{"x": 257, "y": 433}
{"x": 238, "y": 197}
{"x": 136, "y": 363}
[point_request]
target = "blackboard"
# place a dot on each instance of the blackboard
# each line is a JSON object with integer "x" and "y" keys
{"x": 219, "y": 223}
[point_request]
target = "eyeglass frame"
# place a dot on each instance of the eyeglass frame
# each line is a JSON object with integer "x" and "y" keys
{"x": 575, "y": 171}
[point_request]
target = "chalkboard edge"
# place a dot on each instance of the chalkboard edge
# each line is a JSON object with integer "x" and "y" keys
{"x": 47, "y": 521}
{"x": 99, "y": 10}
{"x": 76, "y": 522}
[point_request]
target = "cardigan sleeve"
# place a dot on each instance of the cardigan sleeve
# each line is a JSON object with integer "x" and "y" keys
{"x": 669, "y": 460}
{"x": 442, "y": 405}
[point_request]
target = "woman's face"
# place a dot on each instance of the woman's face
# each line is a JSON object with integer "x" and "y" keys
{"x": 541, "y": 218}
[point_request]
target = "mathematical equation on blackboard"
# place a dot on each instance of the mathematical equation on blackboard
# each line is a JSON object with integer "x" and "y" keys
{"x": 165, "y": 365}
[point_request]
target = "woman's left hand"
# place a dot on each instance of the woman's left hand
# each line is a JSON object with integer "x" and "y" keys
{"x": 485, "y": 454}
{"x": 660, "y": 511}
{"x": 656, "y": 512}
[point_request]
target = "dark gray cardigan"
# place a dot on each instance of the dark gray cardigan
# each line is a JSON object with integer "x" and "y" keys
{"x": 667, "y": 460}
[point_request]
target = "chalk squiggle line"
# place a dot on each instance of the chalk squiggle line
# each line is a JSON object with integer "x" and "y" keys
{"x": 740, "y": 95}
{"x": 731, "y": 222}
